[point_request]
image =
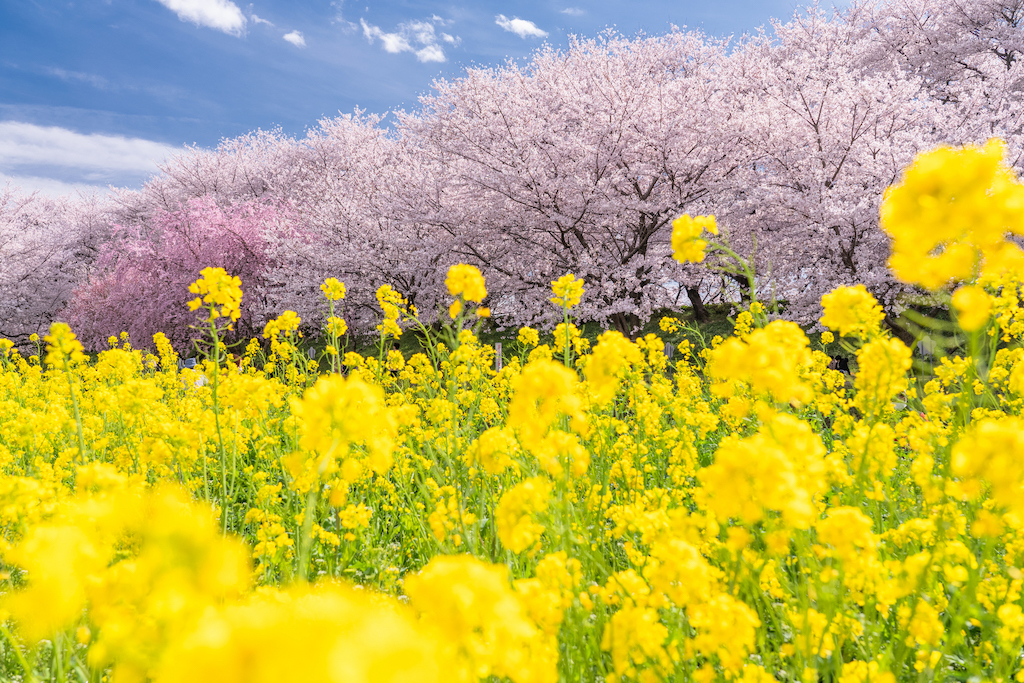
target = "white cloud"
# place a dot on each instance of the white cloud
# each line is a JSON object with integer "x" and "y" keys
{"x": 520, "y": 27}
{"x": 422, "y": 32}
{"x": 50, "y": 187}
{"x": 56, "y": 160}
{"x": 418, "y": 37}
{"x": 574, "y": 11}
{"x": 260, "y": 20}
{"x": 295, "y": 38}
{"x": 222, "y": 15}
{"x": 393, "y": 42}
{"x": 431, "y": 53}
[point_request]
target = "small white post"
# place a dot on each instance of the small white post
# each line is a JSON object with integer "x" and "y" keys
{"x": 497, "y": 357}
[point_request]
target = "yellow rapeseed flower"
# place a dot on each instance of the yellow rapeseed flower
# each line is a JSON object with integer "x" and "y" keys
{"x": 882, "y": 373}
{"x": 514, "y": 516}
{"x": 217, "y": 289}
{"x": 686, "y": 247}
{"x": 333, "y": 289}
{"x": 568, "y": 291}
{"x": 338, "y": 413}
{"x": 852, "y": 311}
{"x": 973, "y": 307}
{"x": 62, "y": 345}
{"x": 951, "y": 214}
{"x": 528, "y": 337}
{"x": 392, "y": 303}
{"x": 471, "y": 605}
{"x": 612, "y": 356}
{"x": 467, "y": 281}
{"x": 287, "y": 323}
{"x": 770, "y": 359}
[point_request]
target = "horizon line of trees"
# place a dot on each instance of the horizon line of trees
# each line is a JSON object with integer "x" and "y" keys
{"x": 577, "y": 161}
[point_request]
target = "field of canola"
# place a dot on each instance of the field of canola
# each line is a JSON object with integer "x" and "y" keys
{"x": 742, "y": 513}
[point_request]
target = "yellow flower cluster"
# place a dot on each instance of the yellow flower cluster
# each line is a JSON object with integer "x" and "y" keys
{"x": 951, "y": 216}
{"x": 285, "y": 324}
{"x": 741, "y": 513}
{"x": 333, "y": 289}
{"x": 669, "y": 324}
{"x": 466, "y": 283}
{"x": 770, "y": 360}
{"x": 852, "y": 311}
{"x": 515, "y": 511}
{"x": 612, "y": 355}
{"x": 568, "y": 291}
{"x": 392, "y": 303}
{"x": 338, "y": 413}
{"x": 218, "y": 291}
{"x": 62, "y": 346}
{"x": 973, "y": 307}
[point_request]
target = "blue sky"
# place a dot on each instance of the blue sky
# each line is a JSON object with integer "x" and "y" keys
{"x": 97, "y": 92}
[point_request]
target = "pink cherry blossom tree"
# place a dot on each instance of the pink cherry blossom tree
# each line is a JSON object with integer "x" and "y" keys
{"x": 143, "y": 273}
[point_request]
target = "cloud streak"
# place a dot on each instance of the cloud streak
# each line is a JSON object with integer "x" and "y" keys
{"x": 70, "y": 76}
{"x": 418, "y": 37}
{"x": 520, "y": 27}
{"x": 222, "y": 15}
{"x": 48, "y": 156}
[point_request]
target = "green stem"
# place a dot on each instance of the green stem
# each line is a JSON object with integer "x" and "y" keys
{"x": 216, "y": 421}
{"x": 74, "y": 407}
{"x": 30, "y": 674}
{"x": 306, "y": 537}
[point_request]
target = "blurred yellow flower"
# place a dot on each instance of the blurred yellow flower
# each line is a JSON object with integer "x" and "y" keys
{"x": 951, "y": 214}
{"x": 686, "y": 247}
{"x": 973, "y": 307}
{"x": 466, "y": 280}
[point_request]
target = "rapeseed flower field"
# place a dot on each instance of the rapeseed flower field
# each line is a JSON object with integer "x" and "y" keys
{"x": 741, "y": 512}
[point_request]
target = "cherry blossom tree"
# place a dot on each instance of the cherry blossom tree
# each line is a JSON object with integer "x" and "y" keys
{"x": 967, "y": 54}
{"x": 46, "y": 247}
{"x": 824, "y": 124}
{"x": 577, "y": 162}
{"x": 359, "y": 190}
{"x": 143, "y": 272}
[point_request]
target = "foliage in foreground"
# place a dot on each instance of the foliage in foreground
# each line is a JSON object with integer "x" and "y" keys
{"x": 742, "y": 513}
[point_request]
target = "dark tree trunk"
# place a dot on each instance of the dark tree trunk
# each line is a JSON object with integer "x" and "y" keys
{"x": 626, "y": 323}
{"x": 699, "y": 312}
{"x": 745, "y": 287}
{"x": 899, "y": 331}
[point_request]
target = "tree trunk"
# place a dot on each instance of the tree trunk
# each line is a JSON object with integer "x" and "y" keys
{"x": 899, "y": 331}
{"x": 699, "y": 312}
{"x": 745, "y": 287}
{"x": 626, "y": 323}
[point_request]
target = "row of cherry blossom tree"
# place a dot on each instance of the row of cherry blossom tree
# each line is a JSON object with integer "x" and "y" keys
{"x": 576, "y": 161}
